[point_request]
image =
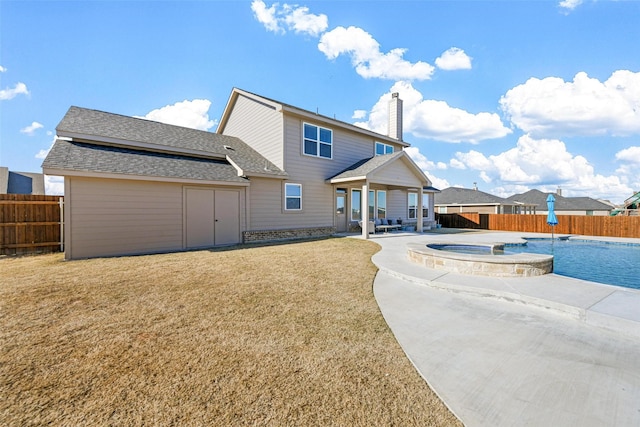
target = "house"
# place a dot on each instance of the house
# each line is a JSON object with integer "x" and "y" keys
{"x": 20, "y": 182}
{"x": 272, "y": 171}
{"x": 630, "y": 207}
{"x": 563, "y": 205}
{"x": 459, "y": 200}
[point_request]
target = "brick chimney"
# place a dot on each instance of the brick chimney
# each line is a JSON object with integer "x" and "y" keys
{"x": 395, "y": 117}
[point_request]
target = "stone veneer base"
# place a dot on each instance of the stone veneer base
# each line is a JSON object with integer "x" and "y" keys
{"x": 288, "y": 234}
{"x": 516, "y": 265}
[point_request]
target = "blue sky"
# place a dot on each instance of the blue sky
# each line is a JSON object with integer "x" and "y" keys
{"x": 511, "y": 95}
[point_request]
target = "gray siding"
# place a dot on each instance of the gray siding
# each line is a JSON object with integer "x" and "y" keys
{"x": 396, "y": 174}
{"x": 115, "y": 217}
{"x": 107, "y": 217}
{"x": 312, "y": 172}
{"x": 397, "y": 204}
{"x": 258, "y": 125}
{"x": 267, "y": 205}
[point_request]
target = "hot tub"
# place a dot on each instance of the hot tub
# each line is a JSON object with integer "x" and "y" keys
{"x": 480, "y": 259}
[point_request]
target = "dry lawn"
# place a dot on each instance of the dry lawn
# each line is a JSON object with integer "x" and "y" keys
{"x": 273, "y": 335}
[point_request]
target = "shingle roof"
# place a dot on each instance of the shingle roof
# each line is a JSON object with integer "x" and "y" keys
{"x": 365, "y": 166}
{"x": 101, "y": 127}
{"x": 76, "y": 156}
{"x": 466, "y": 196}
{"x": 537, "y": 197}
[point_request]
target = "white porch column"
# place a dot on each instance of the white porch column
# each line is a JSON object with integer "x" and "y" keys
{"x": 419, "y": 224}
{"x": 364, "y": 210}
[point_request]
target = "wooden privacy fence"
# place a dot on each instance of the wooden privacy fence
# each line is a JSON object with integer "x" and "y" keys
{"x": 30, "y": 224}
{"x": 611, "y": 226}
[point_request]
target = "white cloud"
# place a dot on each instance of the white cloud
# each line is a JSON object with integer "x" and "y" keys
{"x": 427, "y": 166}
{"x": 422, "y": 161}
{"x": 266, "y": 16}
{"x": 301, "y": 21}
{"x": 192, "y": 114}
{"x": 435, "y": 119}
{"x": 2, "y": 69}
{"x": 586, "y": 106}
{"x": 295, "y": 18}
{"x": 569, "y": 5}
{"x": 359, "y": 114}
{"x": 544, "y": 164}
{"x": 30, "y": 130}
{"x": 18, "y": 89}
{"x": 367, "y": 58}
{"x": 53, "y": 185}
{"x": 454, "y": 59}
{"x": 630, "y": 155}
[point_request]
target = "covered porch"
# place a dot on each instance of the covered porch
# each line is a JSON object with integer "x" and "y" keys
{"x": 390, "y": 189}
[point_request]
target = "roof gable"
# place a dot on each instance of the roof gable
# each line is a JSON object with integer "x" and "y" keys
{"x": 309, "y": 115}
{"x": 369, "y": 167}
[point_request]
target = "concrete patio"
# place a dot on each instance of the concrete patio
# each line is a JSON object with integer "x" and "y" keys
{"x": 545, "y": 350}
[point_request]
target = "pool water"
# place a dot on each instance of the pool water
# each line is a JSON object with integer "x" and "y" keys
{"x": 603, "y": 262}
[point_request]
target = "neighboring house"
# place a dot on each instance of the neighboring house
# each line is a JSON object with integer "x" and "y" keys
{"x": 630, "y": 207}
{"x": 563, "y": 205}
{"x": 20, "y": 182}
{"x": 272, "y": 171}
{"x": 459, "y": 200}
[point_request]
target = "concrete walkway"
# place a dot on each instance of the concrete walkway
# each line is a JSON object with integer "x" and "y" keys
{"x": 538, "y": 351}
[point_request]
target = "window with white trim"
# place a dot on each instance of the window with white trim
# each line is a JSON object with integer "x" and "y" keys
{"x": 381, "y": 202}
{"x": 413, "y": 206}
{"x": 293, "y": 197}
{"x": 356, "y": 202}
{"x": 382, "y": 148}
{"x": 317, "y": 141}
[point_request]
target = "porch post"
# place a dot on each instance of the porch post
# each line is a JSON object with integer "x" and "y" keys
{"x": 364, "y": 210}
{"x": 420, "y": 198}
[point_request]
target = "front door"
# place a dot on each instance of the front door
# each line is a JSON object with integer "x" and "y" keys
{"x": 341, "y": 211}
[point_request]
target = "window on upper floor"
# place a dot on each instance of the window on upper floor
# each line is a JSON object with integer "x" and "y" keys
{"x": 317, "y": 141}
{"x": 293, "y": 197}
{"x": 382, "y": 148}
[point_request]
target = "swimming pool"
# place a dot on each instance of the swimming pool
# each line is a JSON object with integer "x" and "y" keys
{"x": 610, "y": 263}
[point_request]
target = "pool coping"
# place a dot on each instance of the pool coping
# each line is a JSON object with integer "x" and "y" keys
{"x": 490, "y": 264}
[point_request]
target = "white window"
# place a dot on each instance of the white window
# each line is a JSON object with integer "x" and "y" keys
{"x": 382, "y": 204}
{"x": 413, "y": 206}
{"x": 317, "y": 141}
{"x": 383, "y": 149}
{"x": 356, "y": 202}
{"x": 377, "y": 204}
{"x": 293, "y": 197}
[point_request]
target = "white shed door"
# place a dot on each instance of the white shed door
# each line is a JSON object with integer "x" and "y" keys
{"x": 212, "y": 217}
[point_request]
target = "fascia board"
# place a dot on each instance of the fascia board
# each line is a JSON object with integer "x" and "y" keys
{"x": 85, "y": 174}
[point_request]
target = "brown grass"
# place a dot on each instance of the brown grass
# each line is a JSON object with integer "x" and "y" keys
{"x": 274, "y": 335}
